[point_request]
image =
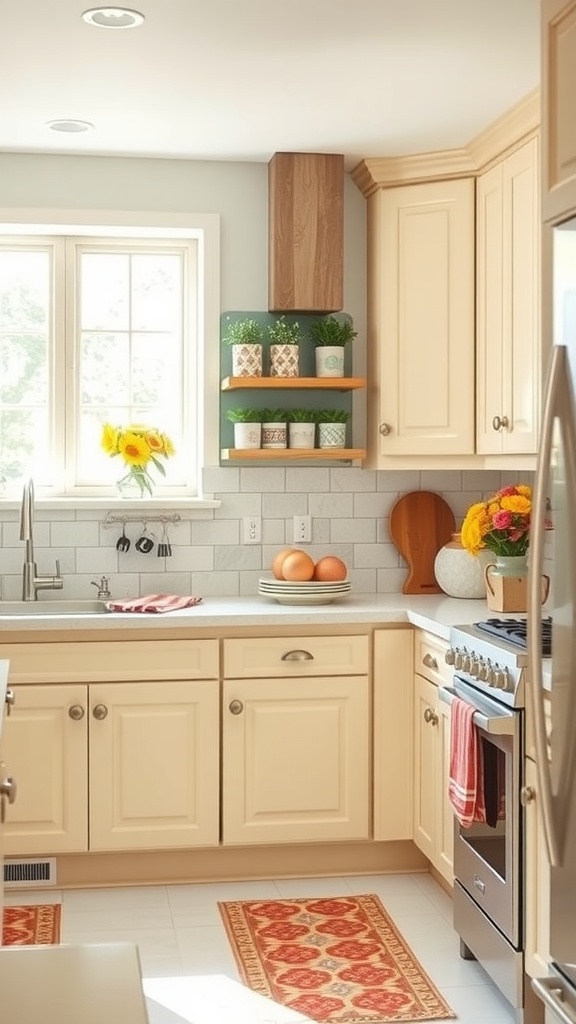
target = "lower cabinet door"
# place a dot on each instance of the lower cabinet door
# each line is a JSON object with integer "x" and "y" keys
{"x": 154, "y": 765}
{"x": 44, "y": 742}
{"x": 537, "y": 888}
{"x": 296, "y": 756}
{"x": 425, "y": 774}
{"x": 444, "y": 861}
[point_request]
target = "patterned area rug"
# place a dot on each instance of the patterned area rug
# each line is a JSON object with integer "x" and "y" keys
{"x": 31, "y": 926}
{"x": 338, "y": 960}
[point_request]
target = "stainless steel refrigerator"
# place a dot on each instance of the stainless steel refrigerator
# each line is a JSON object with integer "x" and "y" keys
{"x": 555, "y": 494}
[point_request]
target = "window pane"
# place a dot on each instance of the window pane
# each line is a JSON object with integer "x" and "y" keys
{"x": 105, "y": 368}
{"x": 105, "y": 291}
{"x": 25, "y": 331}
{"x": 156, "y": 292}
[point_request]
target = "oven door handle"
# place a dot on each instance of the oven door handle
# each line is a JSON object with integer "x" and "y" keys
{"x": 499, "y": 725}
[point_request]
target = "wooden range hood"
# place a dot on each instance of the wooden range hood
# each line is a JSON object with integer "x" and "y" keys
{"x": 306, "y": 232}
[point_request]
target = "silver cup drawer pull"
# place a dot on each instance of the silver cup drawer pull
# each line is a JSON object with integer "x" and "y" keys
{"x": 297, "y": 656}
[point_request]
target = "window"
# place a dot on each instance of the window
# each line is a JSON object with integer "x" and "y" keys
{"x": 96, "y": 329}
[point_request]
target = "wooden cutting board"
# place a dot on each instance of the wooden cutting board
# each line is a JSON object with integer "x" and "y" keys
{"x": 421, "y": 522}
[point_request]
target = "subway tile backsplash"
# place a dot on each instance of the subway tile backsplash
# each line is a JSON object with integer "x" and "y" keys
{"x": 349, "y": 508}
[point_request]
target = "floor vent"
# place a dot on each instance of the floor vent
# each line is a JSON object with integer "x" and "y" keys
{"x": 27, "y": 874}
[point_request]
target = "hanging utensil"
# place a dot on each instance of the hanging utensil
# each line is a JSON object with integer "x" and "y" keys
{"x": 123, "y": 543}
{"x": 164, "y": 547}
{"x": 145, "y": 542}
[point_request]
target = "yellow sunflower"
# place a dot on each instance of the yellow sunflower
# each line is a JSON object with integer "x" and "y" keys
{"x": 134, "y": 449}
{"x": 169, "y": 448}
{"x": 110, "y": 437}
{"x": 155, "y": 442}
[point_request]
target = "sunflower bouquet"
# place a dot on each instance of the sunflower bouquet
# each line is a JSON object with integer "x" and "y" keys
{"x": 501, "y": 524}
{"x": 138, "y": 447}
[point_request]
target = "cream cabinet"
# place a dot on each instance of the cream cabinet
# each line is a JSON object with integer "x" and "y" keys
{"x": 296, "y": 740}
{"x": 128, "y": 761}
{"x": 537, "y": 886}
{"x": 558, "y": 32}
{"x": 393, "y": 701}
{"x": 421, "y": 320}
{"x": 507, "y": 305}
{"x": 433, "y": 820}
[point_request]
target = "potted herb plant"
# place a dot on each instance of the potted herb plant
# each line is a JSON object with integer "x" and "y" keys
{"x": 301, "y": 428}
{"x": 274, "y": 431}
{"x": 330, "y": 336}
{"x": 245, "y": 336}
{"x": 332, "y": 427}
{"x": 247, "y": 427}
{"x": 284, "y": 341}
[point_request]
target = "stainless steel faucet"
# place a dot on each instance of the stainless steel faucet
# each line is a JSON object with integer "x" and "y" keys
{"x": 31, "y": 582}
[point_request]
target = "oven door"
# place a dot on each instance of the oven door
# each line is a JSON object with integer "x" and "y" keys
{"x": 487, "y": 856}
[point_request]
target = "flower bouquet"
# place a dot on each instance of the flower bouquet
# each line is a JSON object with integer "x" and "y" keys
{"x": 501, "y": 524}
{"x": 138, "y": 447}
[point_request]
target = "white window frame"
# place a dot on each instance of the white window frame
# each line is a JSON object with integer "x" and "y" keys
{"x": 204, "y": 229}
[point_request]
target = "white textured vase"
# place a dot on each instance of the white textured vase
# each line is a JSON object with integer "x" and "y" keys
{"x": 459, "y": 573}
{"x": 330, "y": 361}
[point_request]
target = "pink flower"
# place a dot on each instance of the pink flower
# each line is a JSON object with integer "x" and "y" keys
{"x": 502, "y": 520}
{"x": 505, "y": 491}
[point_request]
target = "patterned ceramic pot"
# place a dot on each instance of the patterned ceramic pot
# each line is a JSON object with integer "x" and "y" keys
{"x": 459, "y": 573}
{"x": 247, "y": 360}
{"x": 284, "y": 360}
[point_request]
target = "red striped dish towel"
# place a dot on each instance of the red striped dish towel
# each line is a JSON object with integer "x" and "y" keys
{"x": 153, "y": 603}
{"x": 466, "y": 781}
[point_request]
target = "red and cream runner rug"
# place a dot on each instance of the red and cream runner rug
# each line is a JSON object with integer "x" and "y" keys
{"x": 338, "y": 960}
{"x": 31, "y": 926}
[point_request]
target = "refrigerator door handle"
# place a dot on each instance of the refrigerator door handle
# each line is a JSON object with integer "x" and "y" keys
{"x": 557, "y": 405}
{"x": 552, "y": 995}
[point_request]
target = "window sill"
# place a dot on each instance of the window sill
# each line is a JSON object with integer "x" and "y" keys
{"x": 143, "y": 505}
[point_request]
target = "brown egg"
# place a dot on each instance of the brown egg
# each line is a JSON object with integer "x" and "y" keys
{"x": 329, "y": 569}
{"x": 279, "y": 561}
{"x": 298, "y": 566}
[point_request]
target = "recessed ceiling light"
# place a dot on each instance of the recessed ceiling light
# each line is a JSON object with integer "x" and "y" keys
{"x": 69, "y": 125}
{"x": 113, "y": 17}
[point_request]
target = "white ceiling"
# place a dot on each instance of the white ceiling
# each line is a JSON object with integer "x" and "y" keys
{"x": 241, "y": 79}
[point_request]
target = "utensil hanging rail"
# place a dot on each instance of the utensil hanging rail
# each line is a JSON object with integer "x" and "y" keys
{"x": 172, "y": 517}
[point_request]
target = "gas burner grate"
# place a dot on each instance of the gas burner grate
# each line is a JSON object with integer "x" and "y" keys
{"x": 515, "y": 631}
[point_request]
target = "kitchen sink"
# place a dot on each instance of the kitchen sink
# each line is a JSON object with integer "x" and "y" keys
{"x": 25, "y": 609}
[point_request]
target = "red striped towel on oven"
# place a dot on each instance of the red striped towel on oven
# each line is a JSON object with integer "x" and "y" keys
{"x": 466, "y": 781}
{"x": 153, "y": 603}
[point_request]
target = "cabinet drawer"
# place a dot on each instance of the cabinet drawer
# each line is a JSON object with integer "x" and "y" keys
{"x": 126, "y": 660}
{"x": 296, "y": 656}
{"x": 429, "y": 660}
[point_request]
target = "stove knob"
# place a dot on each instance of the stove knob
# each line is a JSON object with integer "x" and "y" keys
{"x": 507, "y": 683}
{"x": 491, "y": 675}
{"x": 466, "y": 662}
{"x": 483, "y": 671}
{"x": 475, "y": 667}
{"x": 458, "y": 659}
{"x": 450, "y": 656}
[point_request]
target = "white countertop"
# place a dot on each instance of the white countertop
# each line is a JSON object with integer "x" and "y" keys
{"x": 436, "y": 613}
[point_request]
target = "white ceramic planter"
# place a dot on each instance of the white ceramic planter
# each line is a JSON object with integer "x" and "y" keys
{"x": 301, "y": 435}
{"x": 332, "y": 435}
{"x": 329, "y": 361}
{"x": 247, "y": 360}
{"x": 274, "y": 435}
{"x": 247, "y": 435}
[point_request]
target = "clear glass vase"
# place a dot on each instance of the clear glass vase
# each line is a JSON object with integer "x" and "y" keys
{"x": 129, "y": 487}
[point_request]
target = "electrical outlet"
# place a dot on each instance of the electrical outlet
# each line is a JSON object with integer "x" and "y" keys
{"x": 302, "y": 529}
{"x": 251, "y": 530}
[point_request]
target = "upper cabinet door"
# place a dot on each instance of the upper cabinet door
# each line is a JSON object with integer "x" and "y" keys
{"x": 558, "y": 121}
{"x": 421, "y": 320}
{"x": 508, "y": 306}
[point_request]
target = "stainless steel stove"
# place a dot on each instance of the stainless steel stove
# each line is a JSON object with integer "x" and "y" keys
{"x": 490, "y": 661}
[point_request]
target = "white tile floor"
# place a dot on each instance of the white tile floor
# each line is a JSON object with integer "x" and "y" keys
{"x": 188, "y": 968}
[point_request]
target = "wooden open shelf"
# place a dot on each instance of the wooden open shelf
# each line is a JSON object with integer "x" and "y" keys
{"x": 291, "y": 454}
{"x": 293, "y": 383}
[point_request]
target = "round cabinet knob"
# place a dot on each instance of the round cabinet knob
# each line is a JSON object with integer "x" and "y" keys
{"x": 450, "y": 656}
{"x": 385, "y": 429}
{"x": 430, "y": 716}
{"x": 500, "y": 422}
{"x": 236, "y": 707}
{"x": 76, "y": 712}
{"x": 429, "y": 661}
{"x": 100, "y": 712}
{"x": 527, "y": 795}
